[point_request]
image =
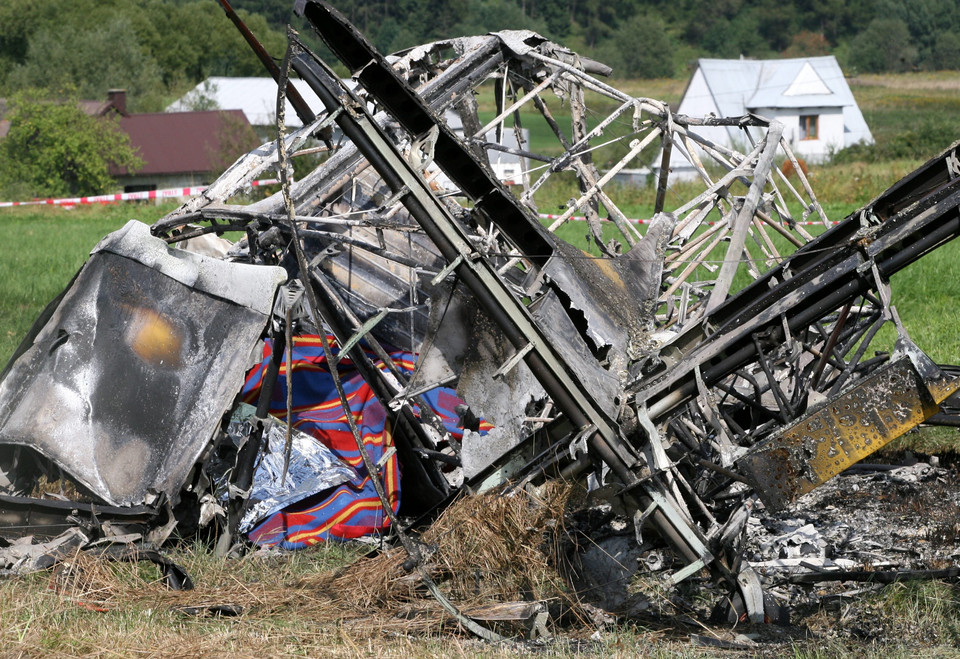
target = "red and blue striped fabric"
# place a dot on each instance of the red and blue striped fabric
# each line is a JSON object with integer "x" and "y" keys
{"x": 353, "y": 509}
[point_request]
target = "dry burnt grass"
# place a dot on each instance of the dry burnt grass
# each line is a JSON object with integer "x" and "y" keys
{"x": 905, "y": 519}
{"x": 328, "y": 601}
{"x": 338, "y": 600}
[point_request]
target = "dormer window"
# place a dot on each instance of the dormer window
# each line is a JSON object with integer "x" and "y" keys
{"x": 809, "y": 126}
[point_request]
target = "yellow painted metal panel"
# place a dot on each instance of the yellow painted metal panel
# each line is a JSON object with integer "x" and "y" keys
{"x": 843, "y": 431}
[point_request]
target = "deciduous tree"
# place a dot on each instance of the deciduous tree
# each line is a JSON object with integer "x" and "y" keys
{"x": 93, "y": 60}
{"x": 55, "y": 149}
{"x": 640, "y": 48}
{"x": 885, "y": 45}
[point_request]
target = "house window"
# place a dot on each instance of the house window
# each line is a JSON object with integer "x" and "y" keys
{"x": 809, "y": 126}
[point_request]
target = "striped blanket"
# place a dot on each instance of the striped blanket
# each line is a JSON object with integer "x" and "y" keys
{"x": 352, "y": 509}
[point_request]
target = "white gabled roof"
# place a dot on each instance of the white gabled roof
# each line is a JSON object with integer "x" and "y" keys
{"x": 737, "y": 86}
{"x": 256, "y": 97}
{"x": 801, "y": 82}
{"x": 807, "y": 83}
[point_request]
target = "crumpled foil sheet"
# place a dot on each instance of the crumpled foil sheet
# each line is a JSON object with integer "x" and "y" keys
{"x": 313, "y": 467}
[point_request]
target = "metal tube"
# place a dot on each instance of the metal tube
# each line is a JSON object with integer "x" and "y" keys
{"x": 299, "y": 105}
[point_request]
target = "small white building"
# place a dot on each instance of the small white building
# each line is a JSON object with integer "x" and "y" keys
{"x": 257, "y": 98}
{"x": 808, "y": 95}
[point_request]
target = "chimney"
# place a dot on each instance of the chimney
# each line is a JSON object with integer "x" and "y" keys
{"x": 117, "y": 98}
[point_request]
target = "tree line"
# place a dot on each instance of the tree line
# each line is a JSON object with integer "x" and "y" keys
{"x": 152, "y": 48}
{"x": 53, "y": 53}
{"x": 158, "y": 48}
{"x": 663, "y": 38}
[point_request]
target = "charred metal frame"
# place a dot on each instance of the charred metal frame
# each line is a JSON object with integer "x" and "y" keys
{"x": 719, "y": 384}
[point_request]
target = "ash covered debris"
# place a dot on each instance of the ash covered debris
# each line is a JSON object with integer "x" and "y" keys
{"x": 411, "y": 313}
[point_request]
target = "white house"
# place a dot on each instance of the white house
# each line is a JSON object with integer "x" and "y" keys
{"x": 808, "y": 95}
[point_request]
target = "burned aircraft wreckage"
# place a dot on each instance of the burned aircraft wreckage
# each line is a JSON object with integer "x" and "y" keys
{"x": 720, "y": 358}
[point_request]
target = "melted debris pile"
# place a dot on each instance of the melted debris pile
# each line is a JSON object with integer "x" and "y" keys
{"x": 402, "y": 324}
{"x": 874, "y": 525}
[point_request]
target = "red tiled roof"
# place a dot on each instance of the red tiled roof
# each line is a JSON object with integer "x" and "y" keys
{"x": 181, "y": 142}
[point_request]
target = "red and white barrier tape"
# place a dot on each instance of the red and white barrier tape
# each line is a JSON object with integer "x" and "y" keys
{"x": 172, "y": 193}
{"x": 167, "y": 193}
{"x": 581, "y": 218}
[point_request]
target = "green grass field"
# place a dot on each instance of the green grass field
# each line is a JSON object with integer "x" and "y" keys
{"x": 52, "y": 243}
{"x": 45, "y": 248}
